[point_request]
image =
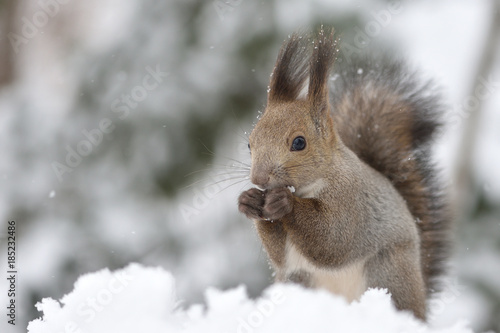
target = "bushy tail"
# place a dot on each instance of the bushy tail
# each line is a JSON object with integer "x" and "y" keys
{"x": 389, "y": 119}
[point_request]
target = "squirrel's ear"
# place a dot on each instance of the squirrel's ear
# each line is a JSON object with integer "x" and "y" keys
{"x": 323, "y": 56}
{"x": 291, "y": 70}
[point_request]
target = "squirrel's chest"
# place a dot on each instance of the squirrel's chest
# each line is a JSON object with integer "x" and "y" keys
{"x": 348, "y": 281}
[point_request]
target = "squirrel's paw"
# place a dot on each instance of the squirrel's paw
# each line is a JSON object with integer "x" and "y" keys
{"x": 251, "y": 203}
{"x": 279, "y": 202}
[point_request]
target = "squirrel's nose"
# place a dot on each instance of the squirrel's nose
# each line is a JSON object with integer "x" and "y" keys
{"x": 259, "y": 177}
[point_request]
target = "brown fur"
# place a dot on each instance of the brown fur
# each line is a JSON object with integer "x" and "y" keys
{"x": 361, "y": 181}
{"x": 396, "y": 119}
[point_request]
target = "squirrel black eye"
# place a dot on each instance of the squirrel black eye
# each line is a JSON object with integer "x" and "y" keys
{"x": 299, "y": 143}
{"x": 248, "y": 146}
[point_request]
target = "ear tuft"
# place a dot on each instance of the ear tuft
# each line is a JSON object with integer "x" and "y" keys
{"x": 291, "y": 69}
{"x": 322, "y": 59}
{"x": 302, "y": 70}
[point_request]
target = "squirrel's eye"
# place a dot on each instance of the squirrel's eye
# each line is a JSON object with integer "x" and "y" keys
{"x": 248, "y": 146}
{"x": 299, "y": 143}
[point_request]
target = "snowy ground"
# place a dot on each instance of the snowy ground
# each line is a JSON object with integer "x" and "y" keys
{"x": 139, "y": 299}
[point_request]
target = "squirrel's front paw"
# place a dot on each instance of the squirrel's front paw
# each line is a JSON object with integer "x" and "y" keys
{"x": 251, "y": 203}
{"x": 279, "y": 202}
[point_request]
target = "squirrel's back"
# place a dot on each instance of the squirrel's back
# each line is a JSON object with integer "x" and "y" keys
{"x": 389, "y": 118}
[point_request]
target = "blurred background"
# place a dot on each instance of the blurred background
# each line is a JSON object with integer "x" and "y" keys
{"x": 123, "y": 130}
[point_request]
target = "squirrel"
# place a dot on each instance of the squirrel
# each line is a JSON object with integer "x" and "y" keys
{"x": 368, "y": 209}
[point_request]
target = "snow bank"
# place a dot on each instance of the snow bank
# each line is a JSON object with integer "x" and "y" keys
{"x": 139, "y": 299}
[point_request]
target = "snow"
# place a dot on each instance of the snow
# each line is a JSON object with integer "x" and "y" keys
{"x": 139, "y": 298}
{"x": 107, "y": 213}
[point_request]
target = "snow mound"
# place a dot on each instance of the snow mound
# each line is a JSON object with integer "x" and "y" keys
{"x": 140, "y": 299}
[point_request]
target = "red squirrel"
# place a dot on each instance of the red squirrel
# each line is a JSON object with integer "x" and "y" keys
{"x": 368, "y": 210}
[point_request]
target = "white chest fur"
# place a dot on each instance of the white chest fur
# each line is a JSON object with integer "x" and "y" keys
{"x": 348, "y": 281}
{"x": 311, "y": 190}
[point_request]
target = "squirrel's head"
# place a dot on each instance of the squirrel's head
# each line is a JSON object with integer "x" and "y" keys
{"x": 295, "y": 136}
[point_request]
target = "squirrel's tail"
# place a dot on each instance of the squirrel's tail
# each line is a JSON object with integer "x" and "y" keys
{"x": 389, "y": 119}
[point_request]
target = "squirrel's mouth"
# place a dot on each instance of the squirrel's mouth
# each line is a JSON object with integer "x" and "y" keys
{"x": 264, "y": 188}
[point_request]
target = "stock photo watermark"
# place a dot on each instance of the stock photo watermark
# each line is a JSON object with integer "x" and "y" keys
{"x": 93, "y": 305}
{"x": 11, "y": 272}
{"x": 452, "y": 291}
{"x": 264, "y": 309}
{"x": 381, "y": 19}
{"x": 449, "y": 295}
{"x": 88, "y": 310}
{"x": 483, "y": 91}
{"x": 31, "y": 26}
{"x": 237, "y": 172}
{"x": 120, "y": 106}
